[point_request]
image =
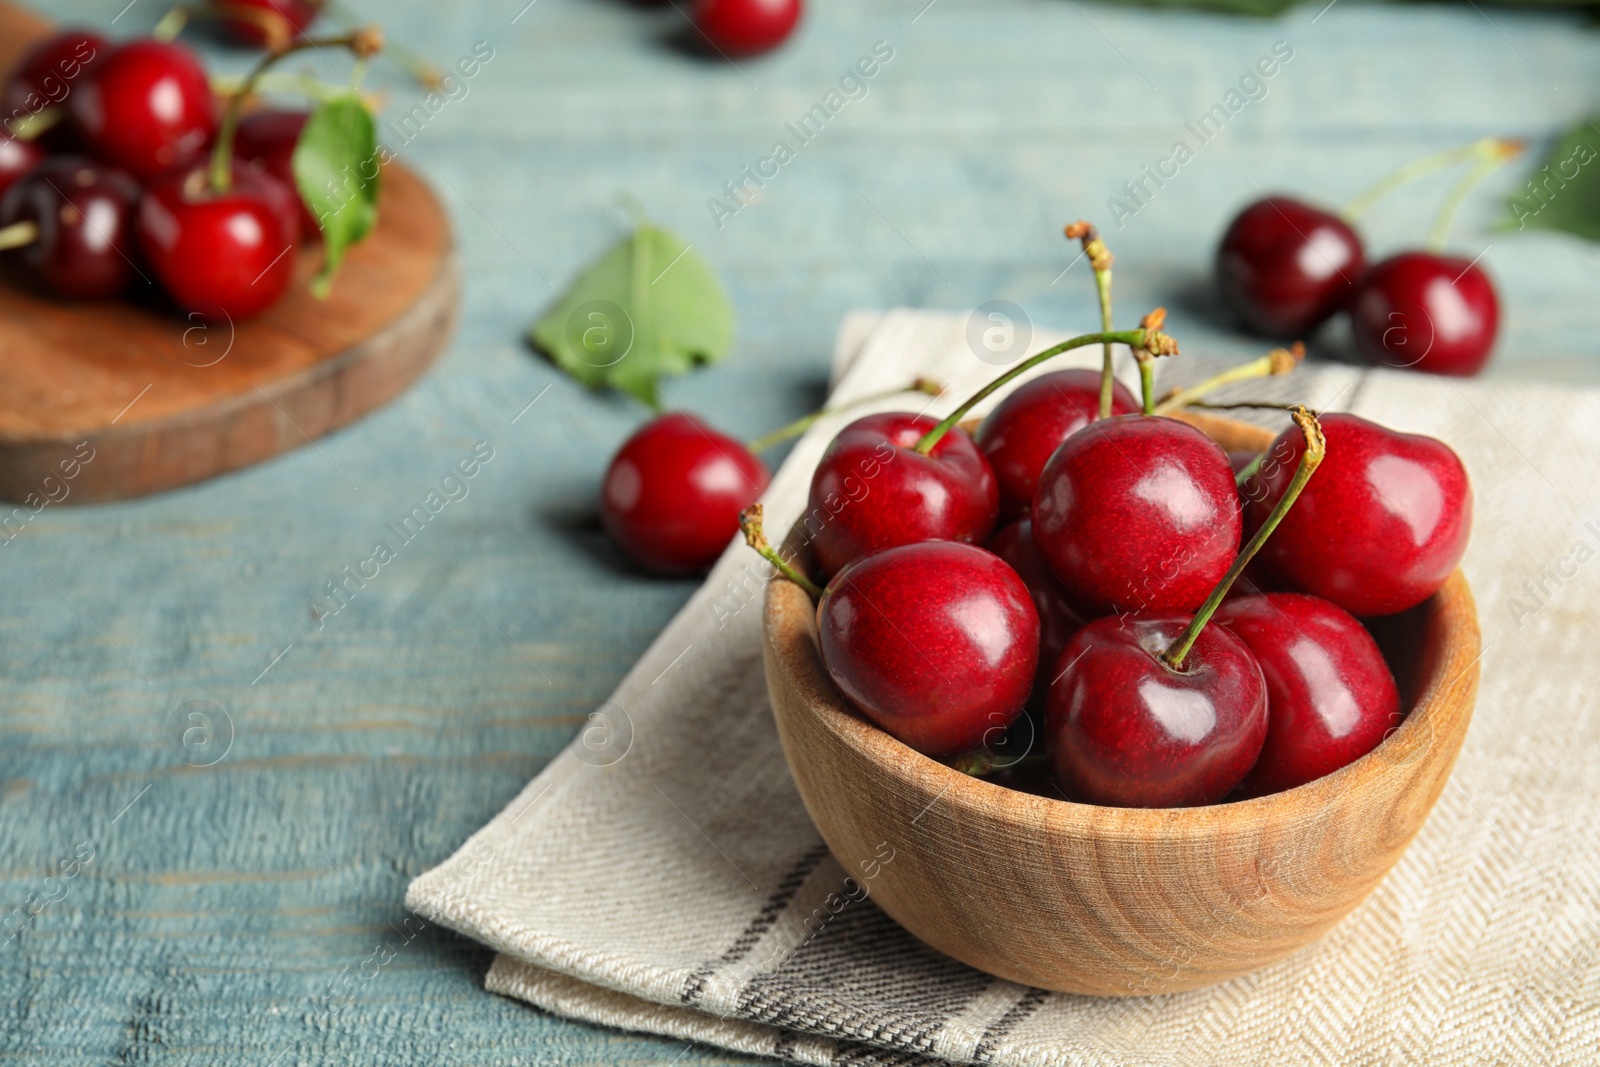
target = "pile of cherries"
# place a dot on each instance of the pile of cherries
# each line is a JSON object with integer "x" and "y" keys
{"x": 1286, "y": 267}
{"x": 1076, "y": 560}
{"x": 117, "y": 163}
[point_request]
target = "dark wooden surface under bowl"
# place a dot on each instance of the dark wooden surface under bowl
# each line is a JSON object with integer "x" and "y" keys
{"x": 159, "y": 399}
{"x": 1118, "y": 901}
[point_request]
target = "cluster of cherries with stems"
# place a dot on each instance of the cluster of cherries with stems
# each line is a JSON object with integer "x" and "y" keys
{"x": 118, "y": 157}
{"x": 1108, "y": 598}
{"x": 1286, "y": 267}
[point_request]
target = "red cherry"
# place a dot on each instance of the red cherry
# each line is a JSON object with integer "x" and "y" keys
{"x": 268, "y": 23}
{"x": 1136, "y": 513}
{"x": 47, "y": 73}
{"x": 745, "y": 27}
{"x": 1286, "y": 266}
{"x": 1378, "y": 529}
{"x": 1330, "y": 696}
{"x": 16, "y": 159}
{"x": 936, "y": 643}
{"x": 1124, "y": 728}
{"x": 266, "y": 140}
{"x": 220, "y": 254}
{"x": 1020, "y": 435}
{"x": 146, "y": 106}
{"x": 1427, "y": 312}
{"x": 1058, "y": 621}
{"x": 873, "y": 490}
{"x": 84, "y": 213}
{"x": 672, "y": 495}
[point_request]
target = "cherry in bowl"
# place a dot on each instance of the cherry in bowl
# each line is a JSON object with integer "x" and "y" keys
{"x": 80, "y": 214}
{"x": 145, "y": 106}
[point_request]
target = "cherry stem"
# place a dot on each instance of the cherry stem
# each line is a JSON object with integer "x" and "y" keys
{"x": 1464, "y": 185}
{"x": 1100, "y": 260}
{"x": 805, "y": 422}
{"x": 1278, "y": 361}
{"x": 1248, "y": 470}
{"x": 364, "y": 42}
{"x": 1147, "y": 336}
{"x": 423, "y": 72}
{"x": 1482, "y": 149}
{"x": 756, "y": 538}
{"x": 29, "y": 127}
{"x": 1316, "y": 448}
{"x": 19, "y": 235}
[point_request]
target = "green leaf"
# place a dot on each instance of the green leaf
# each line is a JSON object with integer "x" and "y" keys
{"x": 336, "y": 171}
{"x": 649, "y": 308}
{"x": 1563, "y": 192}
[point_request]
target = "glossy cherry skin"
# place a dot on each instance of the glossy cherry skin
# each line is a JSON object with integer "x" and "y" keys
{"x": 1020, "y": 435}
{"x": 873, "y": 490}
{"x": 266, "y": 140}
{"x": 936, "y": 643}
{"x": 16, "y": 159}
{"x": 1285, "y": 266}
{"x": 1427, "y": 312}
{"x": 84, "y": 211}
{"x": 1137, "y": 513}
{"x": 1380, "y": 525}
{"x": 146, "y": 106}
{"x": 222, "y": 255}
{"x": 1058, "y": 620}
{"x": 277, "y": 22}
{"x": 673, "y": 492}
{"x": 49, "y": 71}
{"x": 1330, "y": 696}
{"x": 745, "y": 27}
{"x": 1124, "y": 729}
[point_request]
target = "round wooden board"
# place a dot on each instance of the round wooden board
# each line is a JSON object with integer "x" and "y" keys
{"x": 159, "y": 399}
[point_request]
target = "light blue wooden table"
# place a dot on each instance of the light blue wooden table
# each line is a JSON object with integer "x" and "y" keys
{"x": 244, "y": 884}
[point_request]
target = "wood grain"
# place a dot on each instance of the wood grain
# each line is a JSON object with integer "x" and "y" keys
{"x": 162, "y": 399}
{"x": 1116, "y": 901}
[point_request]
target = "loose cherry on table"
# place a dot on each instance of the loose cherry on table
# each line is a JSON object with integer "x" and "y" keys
{"x": 266, "y": 140}
{"x": 1380, "y": 528}
{"x": 937, "y": 643}
{"x": 1330, "y": 696}
{"x": 1427, "y": 312}
{"x": 17, "y": 158}
{"x": 1285, "y": 266}
{"x": 266, "y": 23}
{"x": 145, "y": 106}
{"x": 672, "y": 495}
{"x": 873, "y": 490}
{"x": 745, "y": 27}
{"x": 77, "y": 216}
{"x": 1019, "y": 436}
{"x": 1137, "y": 513}
{"x": 1058, "y": 620}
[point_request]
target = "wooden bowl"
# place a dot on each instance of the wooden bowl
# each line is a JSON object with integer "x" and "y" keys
{"x": 1119, "y": 901}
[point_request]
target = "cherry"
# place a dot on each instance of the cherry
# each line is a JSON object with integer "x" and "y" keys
{"x": 935, "y": 642}
{"x": 1058, "y": 621}
{"x": 1285, "y": 267}
{"x": 1382, "y": 525}
{"x": 47, "y": 72}
{"x": 745, "y": 27}
{"x": 1126, "y": 728}
{"x": 16, "y": 159}
{"x": 266, "y": 140}
{"x": 1019, "y": 436}
{"x": 267, "y": 23}
{"x": 1330, "y": 696}
{"x": 146, "y": 106}
{"x": 672, "y": 495}
{"x": 873, "y": 490}
{"x": 1427, "y": 312}
{"x": 1137, "y": 513}
{"x": 221, "y": 254}
{"x": 81, "y": 213}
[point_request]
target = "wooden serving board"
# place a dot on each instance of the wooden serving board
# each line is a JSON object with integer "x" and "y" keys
{"x": 164, "y": 400}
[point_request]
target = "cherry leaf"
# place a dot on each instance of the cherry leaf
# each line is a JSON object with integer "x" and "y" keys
{"x": 648, "y": 308}
{"x": 1563, "y": 191}
{"x": 336, "y": 170}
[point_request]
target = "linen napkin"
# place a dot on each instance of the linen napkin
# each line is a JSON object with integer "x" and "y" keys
{"x": 662, "y": 875}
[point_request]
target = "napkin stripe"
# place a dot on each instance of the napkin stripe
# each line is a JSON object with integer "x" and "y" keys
{"x": 1016, "y": 1016}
